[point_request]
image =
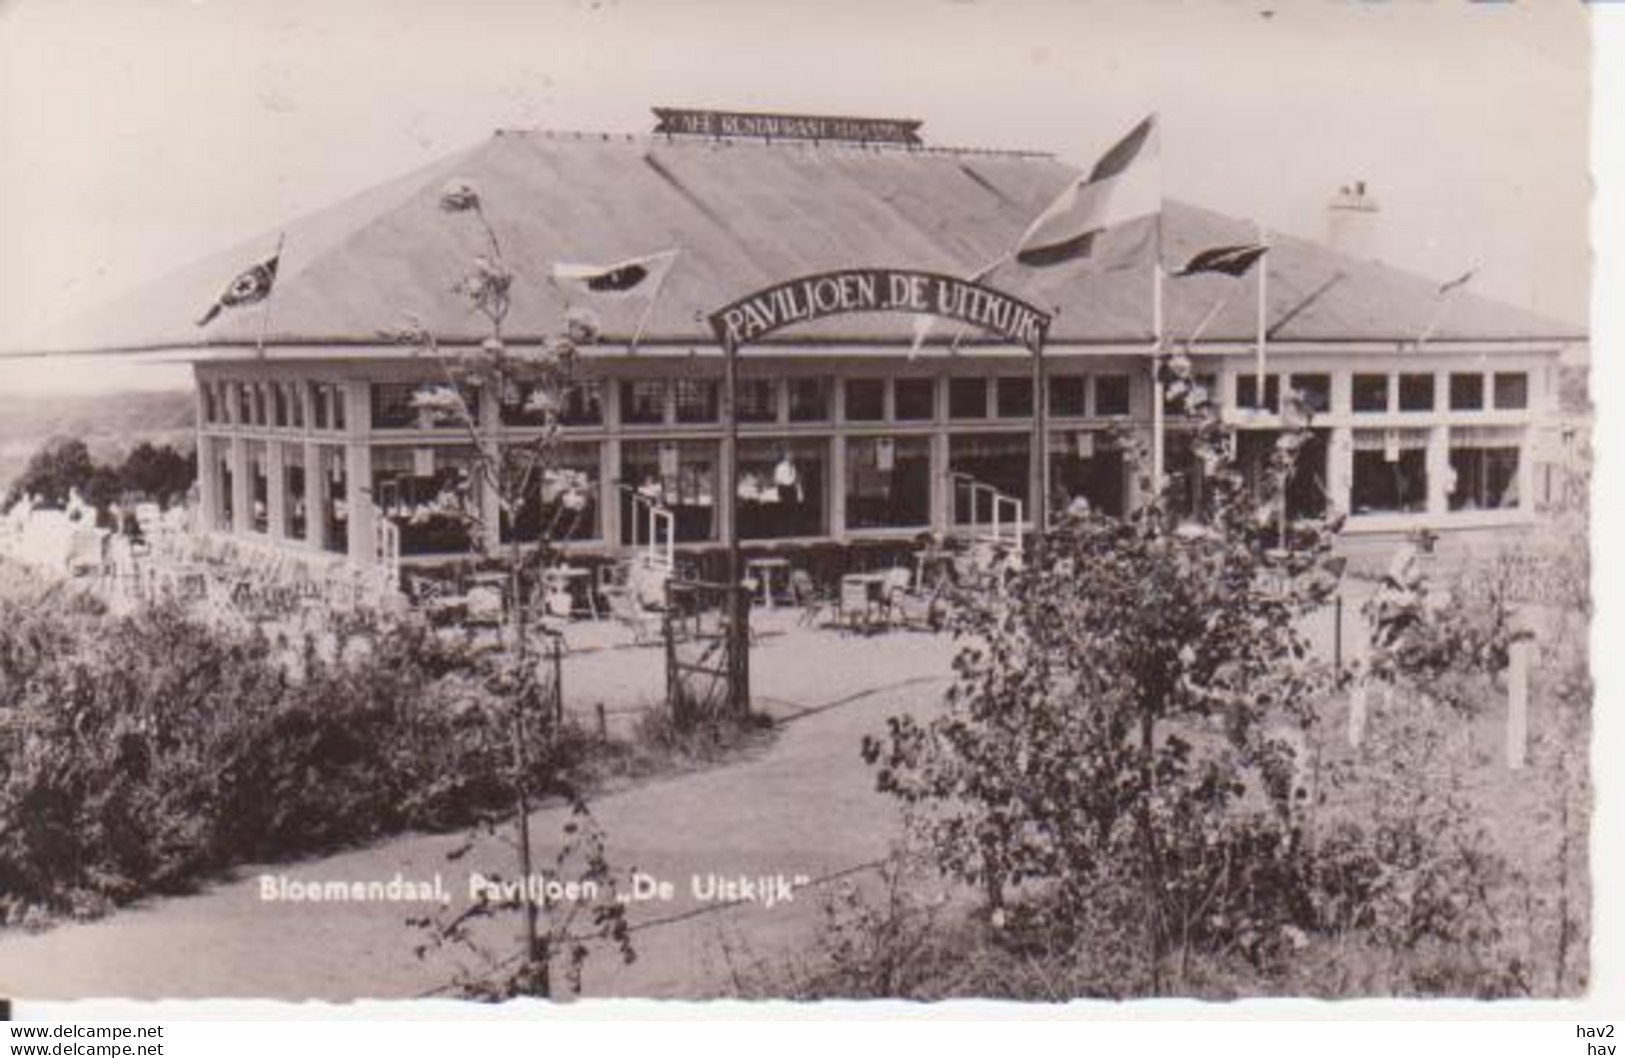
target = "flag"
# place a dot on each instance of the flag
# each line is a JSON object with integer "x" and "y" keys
{"x": 1445, "y": 290}
{"x": 638, "y": 277}
{"x": 251, "y": 285}
{"x": 1108, "y": 216}
{"x": 1460, "y": 281}
{"x": 924, "y": 321}
{"x": 1234, "y": 261}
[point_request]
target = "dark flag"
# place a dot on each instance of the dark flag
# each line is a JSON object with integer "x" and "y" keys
{"x": 251, "y": 285}
{"x": 1230, "y": 260}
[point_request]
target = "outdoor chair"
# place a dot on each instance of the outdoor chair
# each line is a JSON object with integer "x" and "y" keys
{"x": 808, "y": 598}
{"x": 909, "y": 607}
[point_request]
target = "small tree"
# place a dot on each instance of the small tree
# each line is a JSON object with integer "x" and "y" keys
{"x": 61, "y": 466}
{"x": 521, "y": 702}
{"x": 1113, "y": 746}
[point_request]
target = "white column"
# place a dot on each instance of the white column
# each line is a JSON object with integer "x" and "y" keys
{"x": 276, "y": 492}
{"x": 208, "y": 484}
{"x": 609, "y": 492}
{"x": 363, "y": 550}
{"x": 318, "y": 496}
{"x": 1340, "y": 468}
{"x": 837, "y": 487}
{"x": 242, "y": 495}
{"x": 1438, "y": 464}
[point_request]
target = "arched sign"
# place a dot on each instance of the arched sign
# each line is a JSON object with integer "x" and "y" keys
{"x": 813, "y": 297}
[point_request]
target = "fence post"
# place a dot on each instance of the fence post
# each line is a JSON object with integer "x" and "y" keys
{"x": 558, "y": 680}
{"x": 1517, "y": 747}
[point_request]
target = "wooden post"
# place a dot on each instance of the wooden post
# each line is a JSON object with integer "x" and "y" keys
{"x": 1517, "y": 747}
{"x": 1357, "y": 710}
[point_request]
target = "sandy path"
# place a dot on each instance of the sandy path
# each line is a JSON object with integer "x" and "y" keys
{"x": 805, "y": 806}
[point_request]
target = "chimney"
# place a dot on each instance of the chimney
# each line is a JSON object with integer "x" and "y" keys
{"x": 1352, "y": 222}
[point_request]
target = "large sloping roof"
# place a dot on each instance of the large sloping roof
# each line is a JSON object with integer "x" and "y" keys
{"x": 745, "y": 215}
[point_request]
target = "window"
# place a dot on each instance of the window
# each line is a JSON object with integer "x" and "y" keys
{"x": 1015, "y": 397}
{"x": 582, "y": 405}
{"x": 318, "y": 405}
{"x": 865, "y": 399}
{"x": 1484, "y": 465}
{"x": 680, "y": 476}
{"x": 1315, "y": 391}
{"x": 1416, "y": 393}
{"x": 1370, "y": 393}
{"x": 696, "y": 400}
{"x": 296, "y": 406}
{"x": 245, "y": 403}
{"x": 781, "y": 488}
{"x": 1085, "y": 471}
{"x": 206, "y": 394}
{"x": 394, "y": 407}
{"x": 293, "y": 489}
{"x": 1466, "y": 392}
{"x": 989, "y": 463}
{"x": 1111, "y": 395}
{"x": 1390, "y": 472}
{"x": 809, "y": 399}
{"x": 888, "y": 482}
{"x": 336, "y": 511}
{"x": 259, "y": 488}
{"x": 1199, "y": 392}
{"x": 429, "y": 492}
{"x": 758, "y": 400}
{"x": 643, "y": 402}
{"x": 258, "y": 389}
{"x": 563, "y": 503}
{"x": 1066, "y": 395}
{"x": 227, "y": 498}
{"x": 967, "y": 398}
{"x": 1247, "y": 393}
{"x": 915, "y": 399}
{"x": 279, "y": 404}
{"x": 1511, "y": 390}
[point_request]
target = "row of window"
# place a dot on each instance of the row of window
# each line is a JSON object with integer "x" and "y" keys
{"x": 274, "y": 404}
{"x": 1402, "y": 391}
{"x": 783, "y": 485}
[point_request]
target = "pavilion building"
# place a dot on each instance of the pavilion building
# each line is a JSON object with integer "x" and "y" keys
{"x": 1431, "y": 408}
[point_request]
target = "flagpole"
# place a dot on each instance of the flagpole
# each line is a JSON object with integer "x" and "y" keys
{"x": 1263, "y": 317}
{"x": 648, "y": 310}
{"x": 265, "y": 315}
{"x": 1159, "y": 450}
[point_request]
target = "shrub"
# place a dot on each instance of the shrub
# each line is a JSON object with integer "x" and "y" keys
{"x": 139, "y": 753}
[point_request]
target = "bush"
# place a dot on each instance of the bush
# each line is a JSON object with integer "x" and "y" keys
{"x": 139, "y": 753}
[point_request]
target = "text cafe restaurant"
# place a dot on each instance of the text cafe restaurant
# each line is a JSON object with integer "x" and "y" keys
{"x": 1430, "y": 407}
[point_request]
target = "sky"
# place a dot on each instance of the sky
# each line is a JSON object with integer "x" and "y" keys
{"x": 139, "y": 135}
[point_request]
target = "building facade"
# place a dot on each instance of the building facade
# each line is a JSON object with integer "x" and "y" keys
{"x": 1431, "y": 407}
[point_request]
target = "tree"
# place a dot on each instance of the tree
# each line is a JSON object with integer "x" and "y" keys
{"x": 1121, "y": 747}
{"x": 519, "y": 703}
{"x": 61, "y": 466}
{"x": 158, "y": 472}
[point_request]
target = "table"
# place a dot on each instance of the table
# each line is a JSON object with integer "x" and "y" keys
{"x": 863, "y": 595}
{"x": 767, "y": 567}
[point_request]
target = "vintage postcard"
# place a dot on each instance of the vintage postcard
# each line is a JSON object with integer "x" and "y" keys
{"x": 1021, "y": 501}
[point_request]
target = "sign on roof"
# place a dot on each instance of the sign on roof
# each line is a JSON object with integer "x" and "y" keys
{"x": 786, "y": 126}
{"x": 813, "y": 297}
